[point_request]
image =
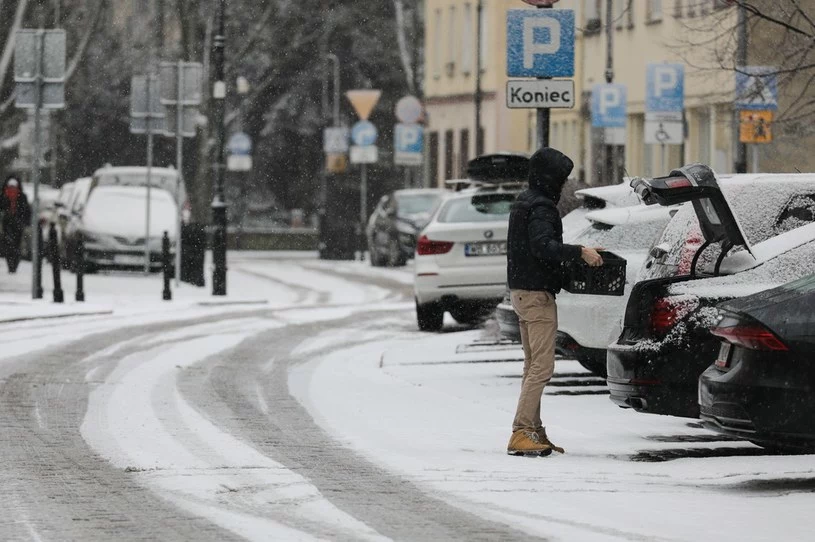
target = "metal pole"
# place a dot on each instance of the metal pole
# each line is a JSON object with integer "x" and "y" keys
{"x": 218, "y": 201}
{"x": 479, "y": 97}
{"x": 740, "y": 163}
{"x": 179, "y": 165}
{"x": 754, "y": 153}
{"x": 149, "y": 172}
{"x": 610, "y": 160}
{"x": 335, "y": 59}
{"x": 36, "y": 275}
{"x": 363, "y": 211}
{"x": 543, "y": 115}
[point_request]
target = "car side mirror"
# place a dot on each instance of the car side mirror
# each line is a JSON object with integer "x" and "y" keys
{"x": 660, "y": 251}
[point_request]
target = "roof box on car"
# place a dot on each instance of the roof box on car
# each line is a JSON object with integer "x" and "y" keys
{"x": 499, "y": 168}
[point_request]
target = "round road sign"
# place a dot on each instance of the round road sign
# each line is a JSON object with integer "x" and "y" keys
{"x": 239, "y": 143}
{"x": 409, "y": 110}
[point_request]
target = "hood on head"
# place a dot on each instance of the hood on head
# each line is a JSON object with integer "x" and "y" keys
{"x": 549, "y": 170}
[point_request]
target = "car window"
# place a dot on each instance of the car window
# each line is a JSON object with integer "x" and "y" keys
{"x": 632, "y": 236}
{"x": 478, "y": 208}
{"x": 415, "y": 204}
{"x": 799, "y": 211}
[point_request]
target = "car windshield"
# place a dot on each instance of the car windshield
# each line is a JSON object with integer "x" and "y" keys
{"x": 632, "y": 236}
{"x": 478, "y": 208}
{"x": 415, "y": 204}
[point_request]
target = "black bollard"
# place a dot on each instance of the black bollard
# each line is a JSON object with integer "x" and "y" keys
{"x": 167, "y": 294}
{"x": 53, "y": 246}
{"x": 39, "y": 261}
{"x": 79, "y": 258}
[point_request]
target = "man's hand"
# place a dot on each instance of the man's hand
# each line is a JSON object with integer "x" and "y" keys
{"x": 591, "y": 256}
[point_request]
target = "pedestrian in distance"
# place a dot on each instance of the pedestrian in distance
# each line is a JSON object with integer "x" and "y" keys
{"x": 16, "y": 214}
{"x": 535, "y": 255}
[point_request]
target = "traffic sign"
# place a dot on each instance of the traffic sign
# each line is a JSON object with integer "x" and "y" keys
{"x": 664, "y": 132}
{"x": 364, "y": 154}
{"x": 335, "y": 140}
{"x": 539, "y": 93}
{"x": 540, "y": 43}
{"x": 665, "y": 87}
{"x": 363, "y": 101}
{"x": 239, "y": 143}
{"x": 756, "y": 88}
{"x": 181, "y": 83}
{"x": 364, "y": 133}
{"x": 755, "y": 126}
{"x": 239, "y": 162}
{"x": 545, "y": 3}
{"x": 39, "y": 58}
{"x": 145, "y": 105}
{"x": 409, "y": 110}
{"x": 608, "y": 106}
{"x": 409, "y": 144}
{"x": 336, "y": 163}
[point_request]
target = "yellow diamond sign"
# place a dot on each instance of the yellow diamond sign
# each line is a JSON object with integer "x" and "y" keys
{"x": 363, "y": 101}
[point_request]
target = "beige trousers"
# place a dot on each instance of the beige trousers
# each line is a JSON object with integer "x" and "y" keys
{"x": 537, "y": 319}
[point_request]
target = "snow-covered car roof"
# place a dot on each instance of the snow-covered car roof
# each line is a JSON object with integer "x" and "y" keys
{"x": 618, "y": 216}
{"x": 619, "y": 195}
{"x": 135, "y": 170}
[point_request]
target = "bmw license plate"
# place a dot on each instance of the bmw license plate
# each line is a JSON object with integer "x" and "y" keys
{"x": 485, "y": 249}
{"x": 724, "y": 356}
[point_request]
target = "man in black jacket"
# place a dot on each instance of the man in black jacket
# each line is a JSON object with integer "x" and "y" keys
{"x": 534, "y": 257}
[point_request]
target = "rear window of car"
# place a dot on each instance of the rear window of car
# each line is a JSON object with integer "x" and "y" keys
{"x": 478, "y": 208}
{"x": 416, "y": 203}
{"x": 633, "y": 236}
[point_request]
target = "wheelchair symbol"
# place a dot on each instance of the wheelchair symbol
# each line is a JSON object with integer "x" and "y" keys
{"x": 662, "y": 136}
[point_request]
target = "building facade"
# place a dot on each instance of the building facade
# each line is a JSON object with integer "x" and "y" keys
{"x": 696, "y": 33}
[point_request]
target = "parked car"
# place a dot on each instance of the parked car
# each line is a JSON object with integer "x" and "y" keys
{"x": 595, "y": 199}
{"x": 113, "y": 226}
{"x": 396, "y": 222}
{"x": 760, "y": 386}
{"x": 588, "y": 323}
{"x": 461, "y": 263}
{"x": 73, "y": 216}
{"x": 665, "y": 344}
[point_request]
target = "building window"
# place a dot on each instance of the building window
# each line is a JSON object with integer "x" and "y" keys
{"x": 691, "y": 11}
{"x": 654, "y": 11}
{"x": 451, "y": 42}
{"x": 619, "y": 13}
{"x": 433, "y": 159}
{"x": 437, "y": 45}
{"x": 464, "y": 151}
{"x": 678, "y": 8}
{"x": 721, "y": 4}
{"x": 449, "y": 155}
{"x": 593, "y": 19}
{"x": 467, "y": 40}
{"x": 629, "y": 8}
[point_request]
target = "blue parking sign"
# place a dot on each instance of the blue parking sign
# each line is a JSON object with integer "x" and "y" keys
{"x": 409, "y": 144}
{"x": 665, "y": 88}
{"x": 364, "y": 134}
{"x": 608, "y": 106}
{"x": 540, "y": 43}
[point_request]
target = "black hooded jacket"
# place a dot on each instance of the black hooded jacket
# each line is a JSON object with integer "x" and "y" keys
{"x": 535, "y": 249}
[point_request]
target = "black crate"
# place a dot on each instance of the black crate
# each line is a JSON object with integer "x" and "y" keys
{"x": 608, "y": 279}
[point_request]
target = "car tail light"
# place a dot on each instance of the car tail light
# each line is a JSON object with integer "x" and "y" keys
{"x": 426, "y": 247}
{"x": 688, "y": 251}
{"x": 752, "y": 336}
{"x": 666, "y": 312}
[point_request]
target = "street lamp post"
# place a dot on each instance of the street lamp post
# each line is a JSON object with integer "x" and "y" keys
{"x": 218, "y": 200}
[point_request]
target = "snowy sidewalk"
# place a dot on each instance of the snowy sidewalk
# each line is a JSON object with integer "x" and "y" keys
{"x": 437, "y": 409}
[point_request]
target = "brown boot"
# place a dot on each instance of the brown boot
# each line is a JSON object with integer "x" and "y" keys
{"x": 524, "y": 442}
{"x": 541, "y": 434}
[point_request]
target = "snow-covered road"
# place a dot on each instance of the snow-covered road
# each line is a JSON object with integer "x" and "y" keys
{"x": 323, "y": 414}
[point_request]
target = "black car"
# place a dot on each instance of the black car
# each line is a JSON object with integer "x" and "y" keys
{"x": 702, "y": 259}
{"x": 396, "y": 222}
{"x": 761, "y": 386}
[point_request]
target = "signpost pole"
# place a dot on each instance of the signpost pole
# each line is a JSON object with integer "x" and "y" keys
{"x": 149, "y": 171}
{"x": 740, "y": 162}
{"x": 363, "y": 211}
{"x": 36, "y": 275}
{"x": 218, "y": 201}
{"x": 543, "y": 113}
{"x": 179, "y": 164}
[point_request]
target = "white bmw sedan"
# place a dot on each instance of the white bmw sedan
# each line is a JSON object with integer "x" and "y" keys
{"x": 461, "y": 262}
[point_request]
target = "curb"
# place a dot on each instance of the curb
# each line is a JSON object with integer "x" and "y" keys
{"x": 53, "y": 316}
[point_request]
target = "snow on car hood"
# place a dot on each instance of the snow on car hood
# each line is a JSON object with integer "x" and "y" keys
{"x": 121, "y": 211}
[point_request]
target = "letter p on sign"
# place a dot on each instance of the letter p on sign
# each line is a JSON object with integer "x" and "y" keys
{"x": 540, "y": 43}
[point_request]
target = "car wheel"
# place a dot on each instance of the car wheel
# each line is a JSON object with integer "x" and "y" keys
{"x": 429, "y": 316}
